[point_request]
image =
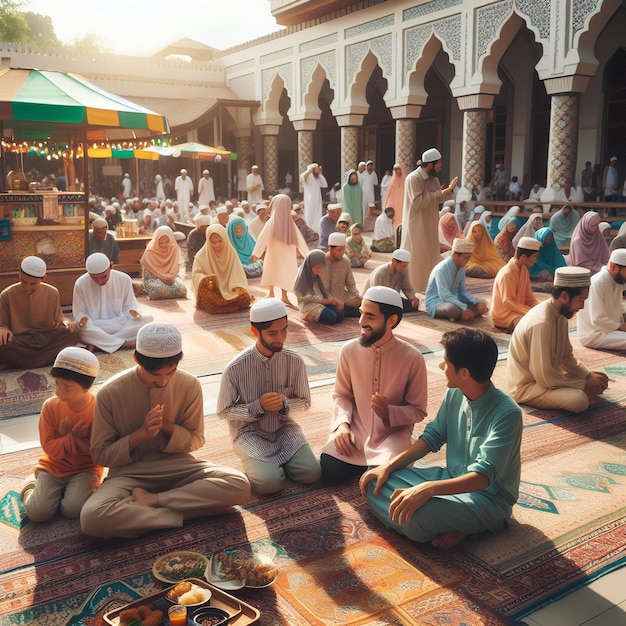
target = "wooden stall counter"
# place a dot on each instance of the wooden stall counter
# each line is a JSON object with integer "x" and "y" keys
{"x": 131, "y": 251}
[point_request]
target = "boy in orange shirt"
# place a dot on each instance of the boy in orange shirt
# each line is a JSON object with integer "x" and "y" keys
{"x": 65, "y": 476}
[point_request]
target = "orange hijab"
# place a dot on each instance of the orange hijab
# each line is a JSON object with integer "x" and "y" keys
{"x": 485, "y": 253}
{"x": 164, "y": 264}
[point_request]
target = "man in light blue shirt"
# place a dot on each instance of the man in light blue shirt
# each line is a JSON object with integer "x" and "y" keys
{"x": 446, "y": 294}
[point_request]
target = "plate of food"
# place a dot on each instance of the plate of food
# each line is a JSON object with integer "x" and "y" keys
{"x": 177, "y": 566}
{"x": 241, "y": 568}
{"x": 188, "y": 594}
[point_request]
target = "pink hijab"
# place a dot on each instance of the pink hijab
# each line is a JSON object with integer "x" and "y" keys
{"x": 162, "y": 264}
{"x": 448, "y": 229}
{"x": 280, "y": 225}
{"x": 395, "y": 193}
{"x": 588, "y": 247}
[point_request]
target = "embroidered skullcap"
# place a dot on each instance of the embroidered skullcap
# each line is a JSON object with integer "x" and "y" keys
{"x": 332, "y": 207}
{"x": 33, "y": 266}
{"x": 462, "y": 246}
{"x": 97, "y": 263}
{"x": 203, "y": 220}
{"x": 336, "y": 239}
{"x": 99, "y": 223}
{"x": 618, "y": 256}
{"x": 221, "y": 209}
{"x": 431, "y": 155}
{"x": 183, "y": 171}
{"x": 159, "y": 340}
{"x": 205, "y": 172}
{"x": 613, "y": 158}
{"x": 572, "y": 277}
{"x": 529, "y": 243}
{"x": 78, "y": 360}
{"x": 404, "y": 256}
{"x": 383, "y": 295}
{"x": 267, "y": 310}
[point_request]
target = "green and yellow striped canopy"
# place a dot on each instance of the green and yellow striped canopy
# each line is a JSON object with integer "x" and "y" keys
{"x": 39, "y": 104}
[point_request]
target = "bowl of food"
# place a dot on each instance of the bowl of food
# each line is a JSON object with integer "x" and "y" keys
{"x": 177, "y": 566}
{"x": 188, "y": 593}
{"x": 211, "y": 616}
{"x": 24, "y": 221}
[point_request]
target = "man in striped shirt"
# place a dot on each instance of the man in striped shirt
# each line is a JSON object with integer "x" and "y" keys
{"x": 261, "y": 392}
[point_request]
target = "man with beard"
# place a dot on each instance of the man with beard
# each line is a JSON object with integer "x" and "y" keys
{"x": 313, "y": 181}
{"x": 100, "y": 239}
{"x": 601, "y": 323}
{"x": 541, "y": 369}
{"x": 262, "y": 391}
{"x": 380, "y": 392}
{"x": 423, "y": 193}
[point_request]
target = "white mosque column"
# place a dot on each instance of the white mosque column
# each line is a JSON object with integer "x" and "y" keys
{"x": 269, "y": 173}
{"x": 564, "y": 111}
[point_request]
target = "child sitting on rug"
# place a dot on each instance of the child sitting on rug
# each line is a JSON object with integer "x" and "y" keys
{"x": 482, "y": 428}
{"x": 66, "y": 475}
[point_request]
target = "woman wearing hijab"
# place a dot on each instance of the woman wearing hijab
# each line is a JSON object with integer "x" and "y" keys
{"x": 485, "y": 260}
{"x": 395, "y": 193}
{"x": 563, "y": 223}
{"x": 314, "y": 302}
{"x": 448, "y": 232}
{"x": 161, "y": 263}
{"x": 243, "y": 242}
{"x": 217, "y": 275}
{"x": 532, "y": 225}
{"x": 280, "y": 240}
{"x": 504, "y": 239}
{"x": 352, "y": 196}
{"x": 356, "y": 247}
{"x": 588, "y": 247}
{"x": 476, "y": 215}
{"x": 549, "y": 257}
{"x": 486, "y": 219}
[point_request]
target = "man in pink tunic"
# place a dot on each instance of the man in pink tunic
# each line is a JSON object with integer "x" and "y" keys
{"x": 380, "y": 392}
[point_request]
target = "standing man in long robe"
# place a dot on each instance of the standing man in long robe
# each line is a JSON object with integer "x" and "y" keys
{"x": 206, "y": 189}
{"x": 313, "y": 181}
{"x": 369, "y": 180}
{"x": 422, "y": 196}
{"x": 105, "y": 307}
{"x": 254, "y": 186}
{"x": 184, "y": 192}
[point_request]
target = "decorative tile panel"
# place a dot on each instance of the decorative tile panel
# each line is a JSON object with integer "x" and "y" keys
{"x": 380, "y": 46}
{"x": 270, "y": 161}
{"x": 447, "y": 29}
{"x": 243, "y": 86}
{"x": 244, "y": 145}
{"x": 305, "y": 152}
{"x": 487, "y": 21}
{"x": 538, "y": 13}
{"x": 562, "y": 149}
{"x": 474, "y": 147}
{"x": 428, "y": 8}
{"x": 268, "y": 76}
{"x": 581, "y": 9}
{"x": 319, "y": 42}
{"x": 328, "y": 60}
{"x": 369, "y": 27}
{"x": 405, "y": 144}
{"x": 349, "y": 148}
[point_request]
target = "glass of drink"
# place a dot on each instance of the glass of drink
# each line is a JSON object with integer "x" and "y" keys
{"x": 177, "y": 615}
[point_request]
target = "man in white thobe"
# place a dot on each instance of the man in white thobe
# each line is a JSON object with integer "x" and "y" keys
{"x": 105, "y": 307}
{"x": 206, "y": 190}
{"x": 184, "y": 191}
{"x": 254, "y": 185}
{"x": 313, "y": 182}
{"x": 601, "y": 323}
{"x": 369, "y": 180}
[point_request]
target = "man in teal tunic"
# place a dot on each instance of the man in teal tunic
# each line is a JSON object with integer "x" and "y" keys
{"x": 482, "y": 428}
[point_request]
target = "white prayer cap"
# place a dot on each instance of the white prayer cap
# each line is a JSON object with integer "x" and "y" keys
{"x": 362, "y": 163}
{"x": 572, "y": 277}
{"x": 370, "y": 162}
{"x": 295, "y": 206}
{"x": 159, "y": 340}
{"x": 345, "y": 217}
{"x": 97, "y": 263}
{"x": 100, "y": 222}
{"x": 204, "y": 208}
{"x": 190, "y": 205}
{"x": 479, "y": 209}
{"x": 462, "y": 246}
{"x": 244, "y": 202}
{"x": 529, "y": 243}
{"x": 336, "y": 239}
{"x": 383, "y": 295}
{"x": 203, "y": 220}
{"x": 613, "y": 158}
{"x": 261, "y": 207}
{"x": 183, "y": 171}
{"x": 126, "y": 175}
{"x": 332, "y": 207}
{"x": 205, "y": 172}
{"x": 602, "y": 226}
{"x": 618, "y": 256}
{"x": 312, "y": 165}
{"x": 404, "y": 256}
{"x": 179, "y": 236}
{"x": 33, "y": 266}
{"x": 238, "y": 211}
{"x": 371, "y": 204}
{"x": 109, "y": 209}
{"x": 78, "y": 360}
{"x": 221, "y": 209}
{"x": 267, "y": 310}
{"x": 254, "y": 167}
{"x": 228, "y": 203}
{"x": 431, "y": 155}
{"x": 449, "y": 203}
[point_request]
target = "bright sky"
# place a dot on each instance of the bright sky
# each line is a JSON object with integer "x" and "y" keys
{"x": 145, "y": 26}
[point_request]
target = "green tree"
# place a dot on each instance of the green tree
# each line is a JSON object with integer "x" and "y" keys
{"x": 41, "y": 30}
{"x": 13, "y": 26}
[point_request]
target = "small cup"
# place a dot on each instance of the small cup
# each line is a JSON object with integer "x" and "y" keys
{"x": 177, "y": 614}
